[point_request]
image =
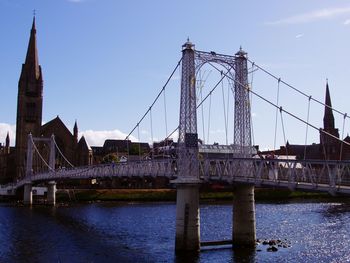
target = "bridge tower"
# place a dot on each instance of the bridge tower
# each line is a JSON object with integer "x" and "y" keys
{"x": 51, "y": 188}
{"x": 187, "y": 182}
{"x": 244, "y": 232}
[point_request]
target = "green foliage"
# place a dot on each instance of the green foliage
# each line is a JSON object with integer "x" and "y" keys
{"x": 110, "y": 158}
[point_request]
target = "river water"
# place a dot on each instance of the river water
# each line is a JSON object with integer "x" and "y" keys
{"x": 134, "y": 232}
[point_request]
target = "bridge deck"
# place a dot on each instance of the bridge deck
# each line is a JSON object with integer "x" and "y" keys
{"x": 324, "y": 176}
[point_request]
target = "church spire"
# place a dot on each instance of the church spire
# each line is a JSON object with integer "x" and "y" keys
{"x": 328, "y": 118}
{"x": 75, "y": 131}
{"x": 7, "y": 143}
{"x": 327, "y": 141}
{"x": 32, "y": 58}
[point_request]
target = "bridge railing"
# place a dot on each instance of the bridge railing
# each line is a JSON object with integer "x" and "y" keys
{"x": 302, "y": 174}
{"x": 294, "y": 174}
{"x": 145, "y": 168}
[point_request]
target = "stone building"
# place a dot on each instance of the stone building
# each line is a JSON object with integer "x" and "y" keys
{"x": 29, "y": 120}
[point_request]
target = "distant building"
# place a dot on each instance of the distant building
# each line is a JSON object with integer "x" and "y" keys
{"x": 164, "y": 149}
{"x": 329, "y": 147}
{"x": 120, "y": 150}
{"x": 7, "y": 158}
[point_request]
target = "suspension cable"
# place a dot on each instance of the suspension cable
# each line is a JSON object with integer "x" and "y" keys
{"x": 165, "y": 114}
{"x": 287, "y": 112}
{"x": 155, "y": 100}
{"x": 138, "y": 135}
{"x": 36, "y": 149}
{"x": 277, "y": 103}
{"x": 128, "y": 149}
{"x": 202, "y": 107}
{"x": 342, "y": 135}
{"x": 201, "y": 85}
{"x": 209, "y": 113}
{"x": 209, "y": 94}
{"x": 283, "y": 130}
{"x": 231, "y": 84}
{"x": 62, "y": 153}
{"x": 150, "y": 116}
{"x": 228, "y": 104}
{"x": 224, "y": 106}
{"x": 324, "y": 150}
{"x": 295, "y": 89}
{"x": 307, "y": 126}
{"x": 251, "y": 101}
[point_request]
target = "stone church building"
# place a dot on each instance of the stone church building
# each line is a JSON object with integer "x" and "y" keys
{"x": 29, "y": 120}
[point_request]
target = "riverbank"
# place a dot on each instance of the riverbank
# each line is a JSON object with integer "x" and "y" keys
{"x": 261, "y": 194}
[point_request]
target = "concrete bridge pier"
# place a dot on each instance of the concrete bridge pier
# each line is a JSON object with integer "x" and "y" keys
{"x": 187, "y": 217}
{"x": 28, "y": 194}
{"x": 244, "y": 228}
{"x": 51, "y": 193}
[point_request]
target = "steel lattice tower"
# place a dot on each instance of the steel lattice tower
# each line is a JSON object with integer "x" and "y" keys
{"x": 188, "y": 137}
{"x": 242, "y": 118}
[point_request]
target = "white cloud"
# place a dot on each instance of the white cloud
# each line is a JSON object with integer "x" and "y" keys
{"x": 312, "y": 16}
{"x": 299, "y": 36}
{"x": 97, "y": 138}
{"x": 347, "y": 22}
{"x": 11, "y": 129}
{"x": 94, "y": 138}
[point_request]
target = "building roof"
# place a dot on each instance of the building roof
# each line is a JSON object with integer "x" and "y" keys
{"x": 56, "y": 122}
{"x": 84, "y": 144}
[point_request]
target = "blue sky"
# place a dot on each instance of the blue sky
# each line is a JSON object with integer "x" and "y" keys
{"x": 104, "y": 61}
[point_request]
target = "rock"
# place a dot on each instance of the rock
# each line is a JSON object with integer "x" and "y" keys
{"x": 272, "y": 242}
{"x": 272, "y": 249}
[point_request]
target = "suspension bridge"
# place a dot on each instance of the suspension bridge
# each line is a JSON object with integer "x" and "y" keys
{"x": 195, "y": 162}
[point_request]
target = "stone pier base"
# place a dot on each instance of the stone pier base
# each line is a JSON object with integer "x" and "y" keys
{"x": 51, "y": 193}
{"x": 187, "y": 218}
{"x": 28, "y": 194}
{"x": 244, "y": 229}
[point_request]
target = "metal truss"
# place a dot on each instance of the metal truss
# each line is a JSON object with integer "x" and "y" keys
{"x": 188, "y": 137}
{"x": 192, "y": 61}
{"x": 226, "y": 61}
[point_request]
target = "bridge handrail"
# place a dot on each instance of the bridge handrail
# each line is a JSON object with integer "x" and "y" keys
{"x": 330, "y": 175}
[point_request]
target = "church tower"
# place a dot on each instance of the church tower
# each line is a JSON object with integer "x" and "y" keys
{"x": 329, "y": 143}
{"x": 29, "y": 102}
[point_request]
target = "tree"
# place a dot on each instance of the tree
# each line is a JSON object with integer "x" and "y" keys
{"x": 110, "y": 158}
